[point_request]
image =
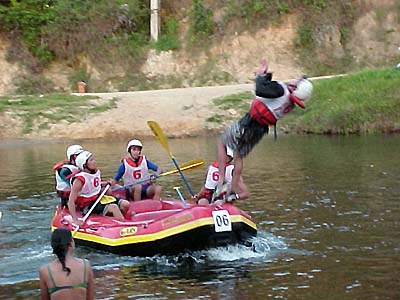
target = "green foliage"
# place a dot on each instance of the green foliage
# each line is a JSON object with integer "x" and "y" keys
{"x": 283, "y": 8}
{"x": 83, "y": 26}
{"x": 136, "y": 43}
{"x": 202, "y": 24}
{"x": 359, "y": 103}
{"x": 103, "y": 107}
{"x": 65, "y": 28}
{"x": 305, "y": 34}
{"x": 169, "y": 40}
{"x": 27, "y": 19}
{"x": 237, "y": 101}
{"x": 33, "y": 85}
{"x": 37, "y": 111}
{"x": 365, "y": 102}
{"x": 216, "y": 118}
{"x": 317, "y": 4}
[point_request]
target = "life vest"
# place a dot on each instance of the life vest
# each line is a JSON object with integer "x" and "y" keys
{"x": 61, "y": 185}
{"x": 135, "y": 172}
{"x": 60, "y": 164}
{"x": 90, "y": 190}
{"x": 213, "y": 175}
{"x": 267, "y": 111}
{"x": 261, "y": 114}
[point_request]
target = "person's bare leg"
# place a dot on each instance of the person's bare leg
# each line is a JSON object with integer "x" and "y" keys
{"x": 114, "y": 210}
{"x": 137, "y": 192}
{"x": 154, "y": 191}
{"x": 124, "y": 206}
{"x": 157, "y": 192}
{"x": 237, "y": 172}
{"x": 203, "y": 201}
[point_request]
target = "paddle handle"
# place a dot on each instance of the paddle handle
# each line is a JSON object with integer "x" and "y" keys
{"x": 178, "y": 191}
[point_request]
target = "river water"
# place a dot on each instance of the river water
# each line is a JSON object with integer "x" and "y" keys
{"x": 327, "y": 210}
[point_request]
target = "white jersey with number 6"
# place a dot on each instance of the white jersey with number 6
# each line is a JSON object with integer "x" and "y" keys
{"x": 213, "y": 175}
{"x": 134, "y": 173}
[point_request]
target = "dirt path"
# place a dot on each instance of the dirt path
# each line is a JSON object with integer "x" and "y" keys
{"x": 180, "y": 112}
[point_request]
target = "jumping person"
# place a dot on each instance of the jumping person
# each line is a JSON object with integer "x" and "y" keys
{"x": 135, "y": 168}
{"x": 204, "y": 197}
{"x": 66, "y": 277}
{"x": 274, "y": 99}
{"x": 63, "y": 172}
{"x": 86, "y": 188}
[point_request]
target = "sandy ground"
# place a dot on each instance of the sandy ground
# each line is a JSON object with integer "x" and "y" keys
{"x": 180, "y": 112}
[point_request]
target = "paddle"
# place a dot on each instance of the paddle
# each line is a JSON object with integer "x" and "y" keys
{"x": 190, "y": 165}
{"x": 92, "y": 208}
{"x": 178, "y": 191}
{"x": 163, "y": 140}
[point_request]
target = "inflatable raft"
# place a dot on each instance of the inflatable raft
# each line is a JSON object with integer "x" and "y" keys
{"x": 161, "y": 227}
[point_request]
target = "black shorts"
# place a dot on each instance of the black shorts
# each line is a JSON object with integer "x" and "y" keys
{"x": 243, "y": 135}
{"x": 100, "y": 209}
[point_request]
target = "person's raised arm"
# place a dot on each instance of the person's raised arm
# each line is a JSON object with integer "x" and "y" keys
{"x": 268, "y": 89}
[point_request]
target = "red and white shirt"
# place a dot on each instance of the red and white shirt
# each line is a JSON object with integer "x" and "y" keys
{"x": 213, "y": 175}
{"x": 91, "y": 188}
{"x": 135, "y": 172}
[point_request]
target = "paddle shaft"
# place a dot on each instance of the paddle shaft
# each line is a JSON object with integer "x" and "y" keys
{"x": 163, "y": 140}
{"x": 178, "y": 191}
{"x": 92, "y": 208}
{"x": 182, "y": 176}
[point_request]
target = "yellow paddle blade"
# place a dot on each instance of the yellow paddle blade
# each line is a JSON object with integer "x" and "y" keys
{"x": 188, "y": 166}
{"x": 159, "y": 134}
{"x": 107, "y": 199}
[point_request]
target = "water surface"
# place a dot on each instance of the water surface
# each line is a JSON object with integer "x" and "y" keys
{"x": 327, "y": 209}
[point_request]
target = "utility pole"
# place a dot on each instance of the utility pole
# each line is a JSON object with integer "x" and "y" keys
{"x": 154, "y": 19}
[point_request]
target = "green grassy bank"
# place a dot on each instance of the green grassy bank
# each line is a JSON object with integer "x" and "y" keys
{"x": 364, "y": 102}
{"x": 38, "y": 111}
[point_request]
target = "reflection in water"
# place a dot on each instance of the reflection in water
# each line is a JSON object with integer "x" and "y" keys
{"x": 326, "y": 207}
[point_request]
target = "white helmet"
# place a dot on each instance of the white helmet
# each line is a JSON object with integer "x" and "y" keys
{"x": 134, "y": 143}
{"x": 74, "y": 149}
{"x": 304, "y": 89}
{"x": 229, "y": 151}
{"x": 82, "y": 159}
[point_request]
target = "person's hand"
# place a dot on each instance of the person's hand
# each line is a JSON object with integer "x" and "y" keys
{"x": 219, "y": 202}
{"x": 232, "y": 197}
{"x": 220, "y": 191}
{"x": 263, "y": 68}
{"x": 153, "y": 178}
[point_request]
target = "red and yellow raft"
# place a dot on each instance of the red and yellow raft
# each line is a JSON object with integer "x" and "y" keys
{"x": 161, "y": 227}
